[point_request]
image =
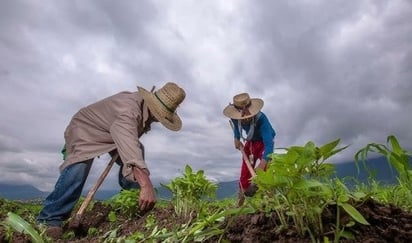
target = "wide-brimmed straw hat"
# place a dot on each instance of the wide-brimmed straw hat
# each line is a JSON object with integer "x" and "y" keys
{"x": 162, "y": 104}
{"x": 241, "y": 102}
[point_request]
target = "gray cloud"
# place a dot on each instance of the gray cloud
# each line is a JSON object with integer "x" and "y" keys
{"x": 325, "y": 69}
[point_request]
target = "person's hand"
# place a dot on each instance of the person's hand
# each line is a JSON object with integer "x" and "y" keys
{"x": 238, "y": 144}
{"x": 262, "y": 165}
{"x": 147, "y": 199}
{"x": 147, "y": 196}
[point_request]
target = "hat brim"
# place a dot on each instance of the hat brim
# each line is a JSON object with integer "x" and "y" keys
{"x": 168, "y": 119}
{"x": 254, "y": 108}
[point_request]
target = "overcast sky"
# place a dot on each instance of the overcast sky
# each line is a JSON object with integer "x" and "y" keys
{"x": 325, "y": 69}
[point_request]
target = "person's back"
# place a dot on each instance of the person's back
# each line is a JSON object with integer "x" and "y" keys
{"x": 102, "y": 113}
{"x": 108, "y": 124}
{"x": 112, "y": 125}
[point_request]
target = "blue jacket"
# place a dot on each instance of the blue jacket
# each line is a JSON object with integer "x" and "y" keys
{"x": 263, "y": 132}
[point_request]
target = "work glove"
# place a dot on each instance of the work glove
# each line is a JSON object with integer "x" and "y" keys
{"x": 251, "y": 190}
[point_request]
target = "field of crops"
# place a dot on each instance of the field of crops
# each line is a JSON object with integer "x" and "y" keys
{"x": 298, "y": 200}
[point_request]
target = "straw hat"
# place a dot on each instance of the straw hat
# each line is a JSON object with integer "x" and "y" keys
{"x": 163, "y": 103}
{"x": 241, "y": 102}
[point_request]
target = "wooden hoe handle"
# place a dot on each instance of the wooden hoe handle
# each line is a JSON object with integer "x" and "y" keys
{"x": 79, "y": 215}
{"x": 248, "y": 163}
{"x": 245, "y": 158}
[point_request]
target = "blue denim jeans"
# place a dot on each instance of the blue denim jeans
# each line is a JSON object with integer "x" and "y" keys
{"x": 59, "y": 204}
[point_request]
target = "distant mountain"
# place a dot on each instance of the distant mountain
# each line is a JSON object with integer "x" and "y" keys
{"x": 28, "y": 192}
{"x": 21, "y": 192}
{"x": 227, "y": 189}
{"x": 377, "y": 166}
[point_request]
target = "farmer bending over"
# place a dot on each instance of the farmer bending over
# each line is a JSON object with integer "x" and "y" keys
{"x": 112, "y": 125}
{"x": 245, "y": 116}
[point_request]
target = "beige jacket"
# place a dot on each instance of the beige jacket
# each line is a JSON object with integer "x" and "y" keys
{"x": 116, "y": 122}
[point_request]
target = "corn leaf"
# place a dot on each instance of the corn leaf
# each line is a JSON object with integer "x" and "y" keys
{"x": 20, "y": 225}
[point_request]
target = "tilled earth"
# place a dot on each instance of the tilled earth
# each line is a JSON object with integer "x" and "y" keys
{"x": 387, "y": 224}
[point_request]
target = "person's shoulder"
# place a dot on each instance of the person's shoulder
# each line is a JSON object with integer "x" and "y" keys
{"x": 261, "y": 114}
{"x": 262, "y": 117}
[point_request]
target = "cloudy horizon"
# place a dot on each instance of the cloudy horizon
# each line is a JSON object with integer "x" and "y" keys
{"x": 325, "y": 70}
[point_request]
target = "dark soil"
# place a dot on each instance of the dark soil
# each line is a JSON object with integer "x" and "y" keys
{"x": 387, "y": 224}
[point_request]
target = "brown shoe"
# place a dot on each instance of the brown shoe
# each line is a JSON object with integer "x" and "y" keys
{"x": 54, "y": 232}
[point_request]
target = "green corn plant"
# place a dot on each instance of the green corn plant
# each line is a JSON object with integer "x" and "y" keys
{"x": 397, "y": 157}
{"x": 20, "y": 225}
{"x": 190, "y": 192}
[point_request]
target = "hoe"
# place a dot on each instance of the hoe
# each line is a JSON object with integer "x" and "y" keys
{"x": 76, "y": 219}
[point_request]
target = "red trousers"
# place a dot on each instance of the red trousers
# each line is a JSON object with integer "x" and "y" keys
{"x": 256, "y": 149}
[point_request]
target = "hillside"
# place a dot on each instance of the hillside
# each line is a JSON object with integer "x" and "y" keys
{"x": 20, "y": 192}
{"x": 378, "y": 167}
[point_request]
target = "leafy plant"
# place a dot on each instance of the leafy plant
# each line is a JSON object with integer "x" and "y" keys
{"x": 189, "y": 191}
{"x": 25, "y": 209}
{"x": 126, "y": 201}
{"x": 297, "y": 185}
{"x": 92, "y": 231}
{"x": 342, "y": 198}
